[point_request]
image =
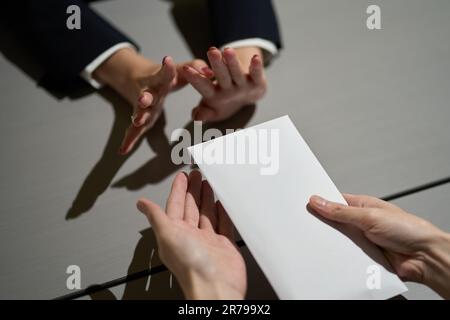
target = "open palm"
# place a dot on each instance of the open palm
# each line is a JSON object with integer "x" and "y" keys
{"x": 196, "y": 242}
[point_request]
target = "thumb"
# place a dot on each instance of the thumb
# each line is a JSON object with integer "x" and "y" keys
{"x": 358, "y": 217}
{"x": 168, "y": 70}
{"x": 156, "y": 216}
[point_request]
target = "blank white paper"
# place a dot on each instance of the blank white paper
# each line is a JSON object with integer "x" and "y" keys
{"x": 302, "y": 256}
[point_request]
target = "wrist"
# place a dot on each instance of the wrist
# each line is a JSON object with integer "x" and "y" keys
{"x": 437, "y": 264}
{"x": 198, "y": 288}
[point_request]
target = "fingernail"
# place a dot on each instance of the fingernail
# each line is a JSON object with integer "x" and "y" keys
{"x": 183, "y": 173}
{"x": 212, "y": 48}
{"x": 255, "y": 56}
{"x": 134, "y": 119}
{"x": 319, "y": 201}
{"x": 207, "y": 70}
{"x": 140, "y": 205}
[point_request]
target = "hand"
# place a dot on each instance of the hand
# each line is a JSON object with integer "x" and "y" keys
{"x": 417, "y": 250}
{"x": 239, "y": 81}
{"x": 196, "y": 242}
{"x": 144, "y": 84}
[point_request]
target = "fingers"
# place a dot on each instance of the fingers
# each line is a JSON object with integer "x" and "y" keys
{"x": 225, "y": 226}
{"x": 166, "y": 76}
{"x": 192, "y": 202}
{"x": 363, "y": 201}
{"x": 132, "y": 136}
{"x": 143, "y": 112}
{"x": 154, "y": 213}
{"x": 200, "y": 66}
{"x": 145, "y": 100}
{"x": 257, "y": 70}
{"x": 177, "y": 197}
{"x": 141, "y": 117}
{"x": 359, "y": 217}
{"x": 207, "y": 72}
{"x": 208, "y": 212}
{"x": 234, "y": 67}
{"x": 202, "y": 84}
{"x": 220, "y": 69}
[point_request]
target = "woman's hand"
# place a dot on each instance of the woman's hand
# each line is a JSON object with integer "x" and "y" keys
{"x": 417, "y": 250}
{"x": 144, "y": 84}
{"x": 239, "y": 81}
{"x": 196, "y": 242}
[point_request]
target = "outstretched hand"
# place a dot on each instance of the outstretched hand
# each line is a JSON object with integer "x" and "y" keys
{"x": 196, "y": 242}
{"x": 229, "y": 85}
{"x": 239, "y": 82}
{"x": 152, "y": 87}
{"x": 416, "y": 249}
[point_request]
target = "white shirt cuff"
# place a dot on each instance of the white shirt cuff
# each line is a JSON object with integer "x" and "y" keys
{"x": 86, "y": 74}
{"x": 268, "y": 47}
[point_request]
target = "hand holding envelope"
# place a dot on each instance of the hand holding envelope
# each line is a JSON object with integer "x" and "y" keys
{"x": 302, "y": 257}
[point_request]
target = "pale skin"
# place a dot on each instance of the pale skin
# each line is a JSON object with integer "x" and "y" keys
{"x": 144, "y": 84}
{"x": 239, "y": 82}
{"x": 417, "y": 250}
{"x": 196, "y": 243}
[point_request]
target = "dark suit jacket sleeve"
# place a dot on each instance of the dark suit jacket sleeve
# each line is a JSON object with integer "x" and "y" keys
{"x": 65, "y": 53}
{"x": 233, "y": 20}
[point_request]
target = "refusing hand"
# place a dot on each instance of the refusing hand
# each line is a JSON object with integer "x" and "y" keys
{"x": 144, "y": 84}
{"x": 234, "y": 86}
{"x": 196, "y": 242}
{"x": 153, "y": 90}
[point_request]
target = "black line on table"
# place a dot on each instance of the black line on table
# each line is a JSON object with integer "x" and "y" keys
{"x": 122, "y": 280}
{"x": 422, "y": 187}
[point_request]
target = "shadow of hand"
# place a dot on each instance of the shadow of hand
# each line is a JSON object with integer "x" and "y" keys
{"x": 157, "y": 284}
{"x": 161, "y": 166}
{"x": 101, "y": 175}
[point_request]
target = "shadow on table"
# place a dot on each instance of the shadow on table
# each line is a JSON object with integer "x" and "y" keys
{"x": 186, "y": 16}
{"x": 161, "y": 285}
{"x": 101, "y": 175}
{"x": 161, "y": 166}
{"x": 191, "y": 17}
{"x": 154, "y": 171}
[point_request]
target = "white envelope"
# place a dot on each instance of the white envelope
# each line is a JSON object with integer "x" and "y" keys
{"x": 302, "y": 256}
